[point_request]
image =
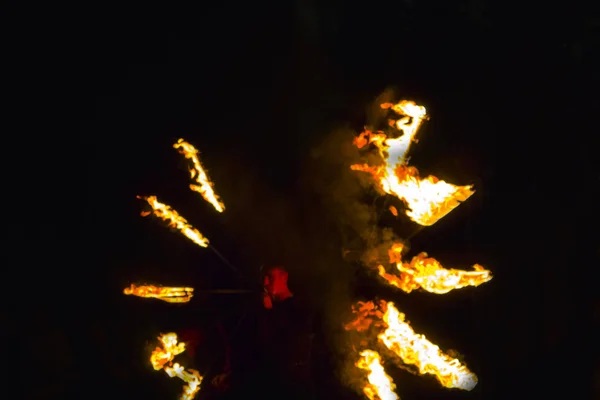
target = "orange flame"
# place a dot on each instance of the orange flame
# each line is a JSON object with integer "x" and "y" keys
{"x": 415, "y": 349}
{"x": 168, "y": 294}
{"x": 191, "y": 377}
{"x": 175, "y": 220}
{"x": 364, "y": 311}
{"x": 204, "y": 186}
{"x": 428, "y": 199}
{"x": 162, "y": 358}
{"x": 412, "y": 348}
{"x": 171, "y": 348}
{"x": 380, "y": 386}
{"x": 428, "y": 274}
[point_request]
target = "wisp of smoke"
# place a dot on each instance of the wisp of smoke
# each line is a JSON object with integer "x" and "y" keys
{"x": 321, "y": 227}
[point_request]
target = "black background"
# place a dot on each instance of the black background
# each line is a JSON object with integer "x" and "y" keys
{"x": 99, "y": 92}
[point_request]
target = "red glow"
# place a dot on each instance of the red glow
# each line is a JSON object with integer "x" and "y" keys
{"x": 275, "y": 282}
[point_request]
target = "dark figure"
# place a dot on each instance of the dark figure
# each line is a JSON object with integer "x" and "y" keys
{"x": 282, "y": 360}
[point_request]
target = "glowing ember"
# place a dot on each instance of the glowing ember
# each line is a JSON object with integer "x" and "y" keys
{"x": 428, "y": 199}
{"x": 428, "y": 274}
{"x": 175, "y": 220}
{"x": 162, "y": 358}
{"x": 415, "y": 349}
{"x": 168, "y": 294}
{"x": 364, "y": 311}
{"x": 204, "y": 186}
{"x": 380, "y": 385}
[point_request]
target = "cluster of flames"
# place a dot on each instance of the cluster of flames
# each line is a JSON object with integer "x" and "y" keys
{"x": 427, "y": 200}
{"x": 202, "y": 185}
{"x": 162, "y": 357}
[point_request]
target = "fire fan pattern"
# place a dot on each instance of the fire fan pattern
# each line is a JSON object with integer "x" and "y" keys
{"x": 427, "y": 200}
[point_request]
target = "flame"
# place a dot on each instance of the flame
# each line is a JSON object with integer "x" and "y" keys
{"x": 168, "y": 294}
{"x": 175, "y": 220}
{"x": 363, "y": 312}
{"x": 428, "y": 199}
{"x": 409, "y": 125}
{"x": 191, "y": 377}
{"x": 415, "y": 349}
{"x": 171, "y": 348}
{"x": 204, "y": 186}
{"x": 162, "y": 358}
{"x": 412, "y": 348}
{"x": 428, "y": 274}
{"x": 380, "y": 385}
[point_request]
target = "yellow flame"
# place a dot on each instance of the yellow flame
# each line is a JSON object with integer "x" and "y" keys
{"x": 162, "y": 358}
{"x": 204, "y": 185}
{"x": 428, "y": 274}
{"x": 191, "y": 377}
{"x": 364, "y": 311}
{"x": 380, "y": 386}
{"x": 175, "y": 220}
{"x": 416, "y": 350}
{"x": 409, "y": 125}
{"x": 428, "y": 199}
{"x": 171, "y": 348}
{"x": 168, "y": 294}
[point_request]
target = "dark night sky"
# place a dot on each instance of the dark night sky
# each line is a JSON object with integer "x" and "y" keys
{"x": 107, "y": 89}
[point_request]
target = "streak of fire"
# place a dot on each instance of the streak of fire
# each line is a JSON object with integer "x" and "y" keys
{"x": 426, "y": 201}
{"x": 162, "y": 357}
